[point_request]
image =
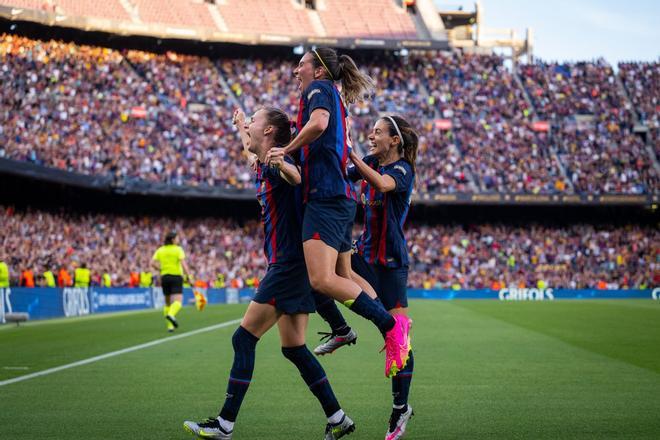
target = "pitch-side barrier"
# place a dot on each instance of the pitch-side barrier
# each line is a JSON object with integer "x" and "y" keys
{"x": 44, "y": 303}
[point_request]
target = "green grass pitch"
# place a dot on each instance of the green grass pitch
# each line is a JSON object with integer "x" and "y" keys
{"x": 484, "y": 370}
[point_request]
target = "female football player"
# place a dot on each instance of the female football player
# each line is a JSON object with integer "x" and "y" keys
{"x": 328, "y": 194}
{"x": 381, "y": 257}
{"x": 284, "y": 295}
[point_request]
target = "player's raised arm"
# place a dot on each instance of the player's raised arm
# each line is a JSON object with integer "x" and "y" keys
{"x": 238, "y": 119}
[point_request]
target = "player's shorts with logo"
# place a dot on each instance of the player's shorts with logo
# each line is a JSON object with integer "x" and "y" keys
{"x": 390, "y": 283}
{"x": 331, "y": 221}
{"x": 286, "y": 286}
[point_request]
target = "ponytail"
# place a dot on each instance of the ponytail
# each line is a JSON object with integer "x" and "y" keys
{"x": 409, "y": 138}
{"x": 355, "y": 85}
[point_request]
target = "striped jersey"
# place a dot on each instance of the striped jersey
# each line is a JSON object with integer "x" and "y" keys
{"x": 382, "y": 241}
{"x": 280, "y": 215}
{"x": 324, "y": 161}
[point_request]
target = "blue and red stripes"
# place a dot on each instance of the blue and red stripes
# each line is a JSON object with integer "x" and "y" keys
{"x": 272, "y": 214}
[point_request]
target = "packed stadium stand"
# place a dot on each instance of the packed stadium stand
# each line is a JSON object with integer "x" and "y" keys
{"x": 167, "y": 117}
{"x": 486, "y": 128}
{"x": 442, "y": 256}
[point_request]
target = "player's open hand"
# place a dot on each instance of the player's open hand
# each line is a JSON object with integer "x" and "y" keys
{"x": 238, "y": 119}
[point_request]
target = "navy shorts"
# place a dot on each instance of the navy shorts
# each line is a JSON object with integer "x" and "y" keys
{"x": 331, "y": 221}
{"x": 390, "y": 283}
{"x": 286, "y": 287}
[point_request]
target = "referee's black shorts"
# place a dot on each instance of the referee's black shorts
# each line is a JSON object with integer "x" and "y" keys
{"x": 172, "y": 284}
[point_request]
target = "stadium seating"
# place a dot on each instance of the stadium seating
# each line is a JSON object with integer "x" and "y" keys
{"x": 276, "y": 17}
{"x": 367, "y": 18}
{"x": 183, "y": 13}
{"x": 642, "y": 83}
{"x": 336, "y": 18}
{"x": 467, "y": 257}
{"x": 595, "y": 121}
{"x": 167, "y": 117}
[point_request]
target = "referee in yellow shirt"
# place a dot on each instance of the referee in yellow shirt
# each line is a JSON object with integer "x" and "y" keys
{"x": 172, "y": 268}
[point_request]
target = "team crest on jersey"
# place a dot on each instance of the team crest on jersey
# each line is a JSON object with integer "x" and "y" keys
{"x": 312, "y": 93}
{"x": 400, "y": 168}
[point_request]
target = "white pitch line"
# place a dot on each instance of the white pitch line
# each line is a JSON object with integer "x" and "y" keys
{"x": 117, "y": 353}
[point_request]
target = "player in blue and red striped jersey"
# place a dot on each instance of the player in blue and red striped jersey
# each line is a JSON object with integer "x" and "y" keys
{"x": 284, "y": 295}
{"x": 328, "y": 194}
{"x": 381, "y": 257}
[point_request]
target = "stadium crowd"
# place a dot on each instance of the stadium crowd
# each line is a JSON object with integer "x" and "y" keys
{"x": 595, "y": 124}
{"x": 443, "y": 256}
{"x": 165, "y": 118}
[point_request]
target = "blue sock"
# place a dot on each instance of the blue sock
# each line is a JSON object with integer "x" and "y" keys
{"x": 240, "y": 375}
{"x": 327, "y": 309}
{"x": 373, "y": 310}
{"x": 401, "y": 382}
{"x": 314, "y": 376}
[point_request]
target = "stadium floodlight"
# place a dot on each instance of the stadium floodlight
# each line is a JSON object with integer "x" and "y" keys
{"x": 17, "y": 318}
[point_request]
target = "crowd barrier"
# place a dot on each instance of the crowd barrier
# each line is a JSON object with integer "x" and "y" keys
{"x": 43, "y": 303}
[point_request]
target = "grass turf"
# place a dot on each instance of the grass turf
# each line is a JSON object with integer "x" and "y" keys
{"x": 483, "y": 369}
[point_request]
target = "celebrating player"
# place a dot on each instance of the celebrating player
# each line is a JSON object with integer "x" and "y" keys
{"x": 284, "y": 295}
{"x": 328, "y": 194}
{"x": 381, "y": 256}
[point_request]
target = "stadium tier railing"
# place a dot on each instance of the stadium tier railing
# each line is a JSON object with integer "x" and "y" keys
{"x": 208, "y": 35}
{"x": 143, "y": 187}
{"x": 46, "y": 303}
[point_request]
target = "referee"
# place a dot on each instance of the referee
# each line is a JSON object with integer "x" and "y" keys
{"x": 170, "y": 257}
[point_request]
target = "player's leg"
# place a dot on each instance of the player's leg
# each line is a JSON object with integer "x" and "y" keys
{"x": 321, "y": 260}
{"x": 173, "y": 290}
{"x": 292, "y": 334}
{"x": 258, "y": 319}
{"x": 327, "y": 225}
{"x": 394, "y": 297}
{"x": 345, "y": 268}
{"x": 341, "y": 333}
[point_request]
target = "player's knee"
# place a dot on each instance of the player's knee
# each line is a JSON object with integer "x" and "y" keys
{"x": 293, "y": 353}
{"x": 320, "y": 281}
{"x": 242, "y": 340}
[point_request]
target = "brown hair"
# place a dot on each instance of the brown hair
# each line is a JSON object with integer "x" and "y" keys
{"x": 354, "y": 84}
{"x": 410, "y": 138}
{"x": 280, "y": 120}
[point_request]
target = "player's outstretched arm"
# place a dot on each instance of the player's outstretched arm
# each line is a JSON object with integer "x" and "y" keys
{"x": 238, "y": 120}
{"x": 382, "y": 183}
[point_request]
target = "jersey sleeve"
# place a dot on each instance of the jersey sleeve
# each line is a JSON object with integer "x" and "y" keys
{"x": 353, "y": 173}
{"x": 318, "y": 96}
{"x": 156, "y": 254}
{"x": 402, "y": 174}
{"x": 182, "y": 255}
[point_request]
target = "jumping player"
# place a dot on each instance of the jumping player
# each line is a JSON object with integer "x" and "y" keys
{"x": 381, "y": 256}
{"x": 328, "y": 194}
{"x": 284, "y": 295}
